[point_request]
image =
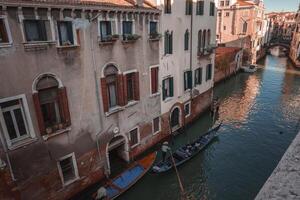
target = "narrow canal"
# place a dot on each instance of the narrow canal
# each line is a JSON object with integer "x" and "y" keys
{"x": 260, "y": 114}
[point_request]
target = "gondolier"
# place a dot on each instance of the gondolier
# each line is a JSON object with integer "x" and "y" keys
{"x": 164, "y": 149}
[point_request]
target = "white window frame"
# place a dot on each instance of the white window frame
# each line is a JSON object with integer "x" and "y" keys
{"x": 169, "y": 97}
{"x": 72, "y": 155}
{"x": 159, "y": 126}
{"x": 37, "y": 17}
{"x": 158, "y": 88}
{"x": 138, "y": 135}
{"x": 27, "y": 120}
{"x": 111, "y": 19}
{"x": 130, "y": 20}
{"x": 8, "y": 32}
{"x": 74, "y": 33}
{"x": 157, "y": 25}
{"x": 189, "y": 104}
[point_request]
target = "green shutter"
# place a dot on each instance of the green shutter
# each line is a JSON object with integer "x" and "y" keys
{"x": 164, "y": 89}
{"x": 171, "y": 43}
{"x": 166, "y": 42}
{"x": 190, "y": 79}
{"x": 200, "y": 76}
{"x": 171, "y": 87}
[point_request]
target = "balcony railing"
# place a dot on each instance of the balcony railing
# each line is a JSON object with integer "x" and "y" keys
{"x": 154, "y": 36}
{"x": 130, "y": 37}
{"x": 207, "y": 50}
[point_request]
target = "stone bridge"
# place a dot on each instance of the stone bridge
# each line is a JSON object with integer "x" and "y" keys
{"x": 282, "y": 43}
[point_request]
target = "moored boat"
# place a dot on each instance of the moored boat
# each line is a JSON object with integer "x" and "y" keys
{"x": 120, "y": 184}
{"x": 249, "y": 68}
{"x": 185, "y": 153}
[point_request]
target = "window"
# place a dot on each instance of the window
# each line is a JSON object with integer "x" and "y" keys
{"x": 208, "y": 38}
{"x": 131, "y": 86}
{"x": 168, "y": 87}
{"x": 204, "y": 40}
{"x": 65, "y": 33}
{"x": 198, "y": 76}
{"x": 51, "y": 104}
{"x": 154, "y": 80}
{"x": 168, "y": 42}
{"x": 227, "y": 14}
{"x": 200, "y": 7}
{"x": 222, "y": 3}
{"x": 15, "y": 120}
{"x": 188, "y": 7}
{"x": 224, "y": 28}
{"x": 127, "y": 28}
{"x": 156, "y": 125}
{"x": 187, "y": 109}
{"x": 186, "y": 40}
{"x": 245, "y": 26}
{"x": 200, "y": 41}
{"x": 208, "y": 72}
{"x": 153, "y": 28}
{"x": 167, "y": 4}
{"x": 220, "y": 14}
{"x": 35, "y": 30}
{"x": 227, "y": 3}
{"x": 107, "y": 30}
{"x": 3, "y": 32}
{"x": 111, "y": 85}
{"x": 212, "y": 9}
{"x": 188, "y": 80}
{"x": 134, "y": 137}
{"x": 67, "y": 168}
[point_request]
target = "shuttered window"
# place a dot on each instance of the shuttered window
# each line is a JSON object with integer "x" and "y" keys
{"x": 65, "y": 33}
{"x": 168, "y": 87}
{"x": 3, "y": 32}
{"x": 131, "y": 87}
{"x": 208, "y": 72}
{"x": 168, "y": 42}
{"x": 198, "y": 76}
{"x": 212, "y": 9}
{"x": 186, "y": 40}
{"x": 35, "y": 30}
{"x": 188, "y": 80}
{"x": 167, "y": 6}
{"x": 68, "y": 169}
{"x": 200, "y": 7}
{"x": 154, "y": 80}
{"x": 134, "y": 137}
{"x": 51, "y": 105}
{"x": 156, "y": 125}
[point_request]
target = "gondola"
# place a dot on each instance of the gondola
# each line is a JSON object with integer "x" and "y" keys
{"x": 185, "y": 153}
{"x": 117, "y": 186}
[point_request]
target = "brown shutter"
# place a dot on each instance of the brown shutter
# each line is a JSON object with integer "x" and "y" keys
{"x": 104, "y": 95}
{"x": 125, "y": 89}
{"x": 136, "y": 86}
{"x": 120, "y": 90}
{"x": 38, "y": 112}
{"x": 64, "y": 106}
{"x": 153, "y": 80}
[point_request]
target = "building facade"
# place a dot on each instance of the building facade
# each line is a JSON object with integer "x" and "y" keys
{"x": 79, "y": 90}
{"x": 240, "y": 24}
{"x": 295, "y": 43}
{"x": 186, "y": 59}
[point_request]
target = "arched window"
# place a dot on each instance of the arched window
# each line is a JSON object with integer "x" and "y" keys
{"x": 204, "y": 40}
{"x": 208, "y": 38}
{"x": 51, "y": 104}
{"x": 168, "y": 42}
{"x": 200, "y": 41}
{"x": 186, "y": 40}
{"x": 111, "y": 78}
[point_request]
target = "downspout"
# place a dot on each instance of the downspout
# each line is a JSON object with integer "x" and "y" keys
{"x": 191, "y": 55}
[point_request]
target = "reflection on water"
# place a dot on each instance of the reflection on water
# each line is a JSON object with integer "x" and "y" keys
{"x": 260, "y": 113}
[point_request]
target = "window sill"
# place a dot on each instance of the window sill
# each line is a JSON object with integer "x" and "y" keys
{"x": 58, "y": 132}
{"x": 187, "y": 91}
{"x": 154, "y": 95}
{"x": 5, "y": 45}
{"x": 71, "y": 181}
{"x": 134, "y": 146}
{"x": 38, "y": 43}
{"x": 168, "y": 99}
{"x": 110, "y": 42}
{"x": 157, "y": 132}
{"x": 154, "y": 39}
{"x": 114, "y": 110}
{"x": 22, "y": 143}
{"x": 68, "y": 46}
{"x": 187, "y": 115}
{"x": 131, "y": 103}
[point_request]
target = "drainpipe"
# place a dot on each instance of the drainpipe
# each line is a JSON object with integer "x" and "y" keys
{"x": 191, "y": 55}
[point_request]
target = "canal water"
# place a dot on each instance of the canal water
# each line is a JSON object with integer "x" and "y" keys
{"x": 260, "y": 115}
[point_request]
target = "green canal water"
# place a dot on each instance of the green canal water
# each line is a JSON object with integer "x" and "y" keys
{"x": 260, "y": 114}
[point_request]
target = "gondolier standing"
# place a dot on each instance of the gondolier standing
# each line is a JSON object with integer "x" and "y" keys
{"x": 164, "y": 149}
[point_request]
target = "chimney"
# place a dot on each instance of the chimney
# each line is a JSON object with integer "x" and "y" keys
{"x": 139, "y": 3}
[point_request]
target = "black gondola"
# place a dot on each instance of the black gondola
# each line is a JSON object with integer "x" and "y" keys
{"x": 185, "y": 153}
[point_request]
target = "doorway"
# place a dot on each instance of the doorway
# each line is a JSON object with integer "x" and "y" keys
{"x": 175, "y": 119}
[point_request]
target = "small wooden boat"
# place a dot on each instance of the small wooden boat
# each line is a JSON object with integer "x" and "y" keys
{"x": 127, "y": 179}
{"x": 249, "y": 68}
{"x": 185, "y": 153}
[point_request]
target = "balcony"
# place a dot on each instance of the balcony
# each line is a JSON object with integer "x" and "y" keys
{"x": 154, "y": 36}
{"x": 130, "y": 38}
{"x": 108, "y": 39}
{"x": 207, "y": 50}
